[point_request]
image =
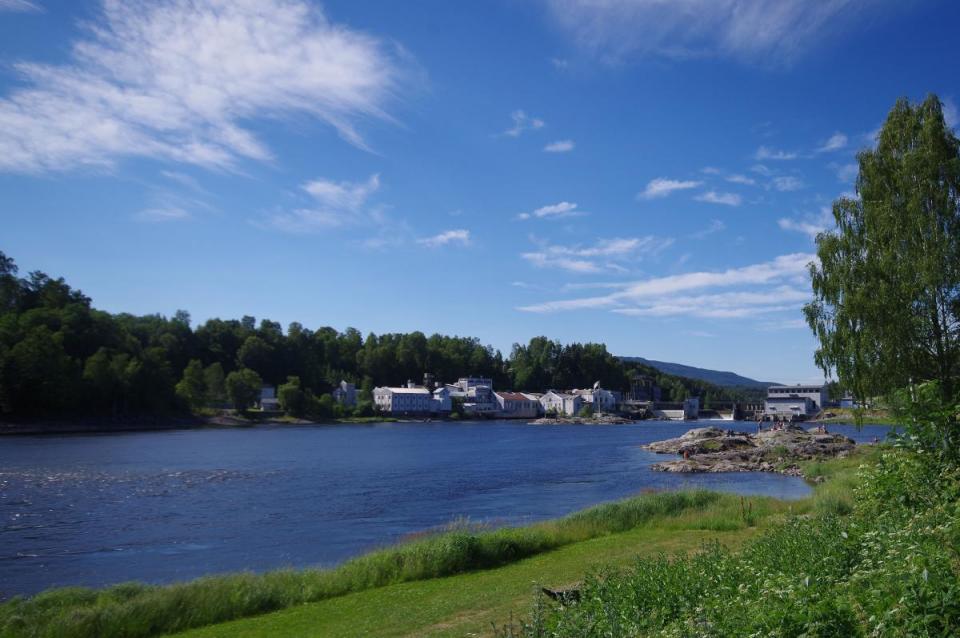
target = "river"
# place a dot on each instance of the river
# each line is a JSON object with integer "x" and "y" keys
{"x": 165, "y": 506}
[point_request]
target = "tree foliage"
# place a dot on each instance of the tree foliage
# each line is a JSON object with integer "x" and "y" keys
{"x": 887, "y": 286}
{"x": 60, "y": 356}
{"x": 243, "y": 388}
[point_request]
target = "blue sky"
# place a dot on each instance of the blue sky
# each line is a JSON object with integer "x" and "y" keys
{"x": 645, "y": 174}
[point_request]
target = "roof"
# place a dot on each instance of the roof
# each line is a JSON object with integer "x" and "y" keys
{"x": 812, "y": 386}
{"x": 406, "y": 390}
{"x": 512, "y": 396}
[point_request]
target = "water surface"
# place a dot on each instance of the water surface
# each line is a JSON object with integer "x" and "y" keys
{"x": 165, "y": 506}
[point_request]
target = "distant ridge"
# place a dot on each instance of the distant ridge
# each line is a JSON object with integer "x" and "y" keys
{"x": 717, "y": 377}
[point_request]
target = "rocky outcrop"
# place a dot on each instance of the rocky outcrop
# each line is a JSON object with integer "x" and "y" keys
{"x": 774, "y": 450}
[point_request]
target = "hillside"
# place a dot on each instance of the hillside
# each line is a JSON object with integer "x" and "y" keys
{"x": 716, "y": 377}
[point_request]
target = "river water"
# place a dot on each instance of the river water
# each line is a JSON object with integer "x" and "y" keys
{"x": 159, "y": 507}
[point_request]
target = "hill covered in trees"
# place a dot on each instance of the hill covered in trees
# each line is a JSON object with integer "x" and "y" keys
{"x": 721, "y": 378}
{"x": 61, "y": 357}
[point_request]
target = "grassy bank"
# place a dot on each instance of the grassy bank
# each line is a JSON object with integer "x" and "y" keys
{"x": 882, "y": 564}
{"x": 140, "y": 610}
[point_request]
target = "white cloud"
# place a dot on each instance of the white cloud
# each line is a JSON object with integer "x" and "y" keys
{"x": 767, "y": 31}
{"x": 787, "y": 184}
{"x": 334, "y": 204}
{"x": 179, "y": 81}
{"x": 728, "y": 305}
{"x": 347, "y": 196}
{"x": 765, "y": 153}
{"x": 560, "y": 63}
{"x": 710, "y": 170}
{"x": 741, "y": 179}
{"x": 19, "y": 6}
{"x": 810, "y": 225}
{"x": 658, "y": 292}
{"x": 560, "y": 146}
{"x": 661, "y": 187}
{"x": 163, "y": 214}
{"x": 523, "y": 122}
{"x": 836, "y": 142}
{"x": 761, "y": 169}
{"x": 554, "y": 211}
{"x": 846, "y": 173}
{"x": 602, "y": 256}
{"x": 458, "y": 236}
{"x": 715, "y": 226}
{"x": 713, "y": 197}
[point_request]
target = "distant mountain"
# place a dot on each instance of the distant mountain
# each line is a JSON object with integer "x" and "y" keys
{"x": 717, "y": 377}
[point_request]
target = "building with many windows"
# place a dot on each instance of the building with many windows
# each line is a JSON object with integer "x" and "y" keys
{"x": 816, "y": 393}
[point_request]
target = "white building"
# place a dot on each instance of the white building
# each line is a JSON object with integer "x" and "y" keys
{"x": 345, "y": 394}
{"x": 403, "y": 400}
{"x": 466, "y": 383}
{"x": 268, "y": 399}
{"x": 441, "y": 402}
{"x": 816, "y": 393}
{"x": 787, "y": 408}
{"x": 514, "y": 405}
{"x": 562, "y": 404}
{"x": 599, "y": 399}
{"x": 480, "y": 400}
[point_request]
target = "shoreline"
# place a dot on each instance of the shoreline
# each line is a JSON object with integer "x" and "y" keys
{"x": 453, "y": 552}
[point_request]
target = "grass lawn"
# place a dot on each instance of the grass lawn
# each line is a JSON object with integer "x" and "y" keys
{"x": 466, "y": 604}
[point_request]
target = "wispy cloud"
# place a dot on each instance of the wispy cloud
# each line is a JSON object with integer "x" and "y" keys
{"x": 761, "y": 169}
{"x": 661, "y": 187}
{"x": 333, "y": 204}
{"x": 658, "y": 292}
{"x": 715, "y": 226}
{"x": 728, "y": 305}
{"x": 554, "y": 211}
{"x": 741, "y": 179}
{"x": 810, "y": 225}
{"x": 765, "y": 153}
{"x": 836, "y": 142}
{"x": 846, "y": 173}
{"x": 560, "y": 146}
{"x": 767, "y": 31}
{"x": 606, "y": 255}
{"x": 133, "y": 89}
{"x": 713, "y": 197}
{"x": 523, "y": 122}
{"x": 19, "y": 6}
{"x": 162, "y": 214}
{"x": 786, "y": 184}
{"x": 458, "y": 236}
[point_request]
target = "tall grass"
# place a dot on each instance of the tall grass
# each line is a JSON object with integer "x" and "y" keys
{"x": 135, "y": 610}
{"x": 888, "y": 568}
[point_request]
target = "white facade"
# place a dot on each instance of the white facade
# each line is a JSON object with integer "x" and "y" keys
{"x": 403, "y": 400}
{"x": 441, "y": 401}
{"x": 268, "y": 399}
{"x": 816, "y": 393}
{"x": 563, "y": 404}
{"x": 514, "y": 405}
{"x": 345, "y": 394}
{"x": 466, "y": 383}
{"x": 599, "y": 399}
{"x": 786, "y": 407}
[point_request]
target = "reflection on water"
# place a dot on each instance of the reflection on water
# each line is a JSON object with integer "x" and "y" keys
{"x": 165, "y": 506}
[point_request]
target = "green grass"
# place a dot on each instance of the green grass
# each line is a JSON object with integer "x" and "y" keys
{"x": 883, "y": 565}
{"x": 597, "y": 534}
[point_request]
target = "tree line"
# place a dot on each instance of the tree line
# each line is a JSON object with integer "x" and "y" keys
{"x": 60, "y": 356}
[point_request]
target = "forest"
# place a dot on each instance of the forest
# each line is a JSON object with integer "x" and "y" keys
{"x": 61, "y": 357}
